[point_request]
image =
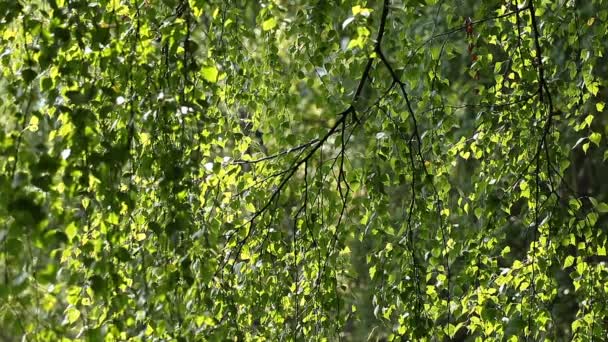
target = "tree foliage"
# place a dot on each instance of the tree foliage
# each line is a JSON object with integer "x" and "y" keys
{"x": 303, "y": 170}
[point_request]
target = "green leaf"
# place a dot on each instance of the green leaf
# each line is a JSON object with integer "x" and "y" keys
{"x": 361, "y": 10}
{"x": 72, "y": 315}
{"x": 210, "y": 73}
{"x": 46, "y": 83}
{"x": 33, "y": 125}
{"x": 589, "y": 120}
{"x": 602, "y": 207}
{"x": 569, "y": 261}
{"x": 71, "y": 230}
{"x": 269, "y": 24}
{"x": 28, "y": 75}
{"x": 525, "y": 189}
{"x": 595, "y": 138}
{"x": 372, "y": 272}
{"x": 593, "y": 87}
{"x": 76, "y": 97}
{"x": 203, "y": 320}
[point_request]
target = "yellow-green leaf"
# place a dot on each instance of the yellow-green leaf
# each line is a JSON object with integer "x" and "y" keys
{"x": 589, "y": 119}
{"x": 71, "y": 231}
{"x": 269, "y": 24}
{"x": 585, "y": 147}
{"x": 361, "y": 10}
{"x": 72, "y": 314}
{"x": 149, "y": 330}
{"x": 593, "y": 87}
{"x": 210, "y": 73}
{"x": 525, "y": 189}
{"x": 372, "y": 272}
{"x": 569, "y": 261}
{"x": 200, "y": 320}
{"x": 595, "y": 138}
{"x": 33, "y": 126}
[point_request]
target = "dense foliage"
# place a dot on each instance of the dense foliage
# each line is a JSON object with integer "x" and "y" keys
{"x": 197, "y": 170}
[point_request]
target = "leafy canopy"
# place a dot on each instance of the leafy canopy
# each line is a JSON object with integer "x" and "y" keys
{"x": 303, "y": 170}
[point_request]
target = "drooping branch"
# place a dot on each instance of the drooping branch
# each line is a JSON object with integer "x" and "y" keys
{"x": 418, "y": 151}
{"x": 341, "y": 118}
{"x": 543, "y": 90}
{"x": 314, "y": 147}
{"x": 279, "y": 154}
{"x": 461, "y": 28}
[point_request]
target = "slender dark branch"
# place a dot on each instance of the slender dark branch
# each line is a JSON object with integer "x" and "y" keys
{"x": 541, "y": 70}
{"x": 276, "y": 155}
{"x": 341, "y": 118}
{"x": 382, "y": 22}
{"x": 342, "y": 173}
{"x": 416, "y": 135}
{"x": 409, "y": 234}
{"x": 298, "y": 163}
{"x": 461, "y": 28}
{"x": 333, "y": 242}
{"x": 401, "y": 85}
{"x": 542, "y": 144}
{"x": 366, "y": 72}
{"x": 370, "y": 61}
{"x": 542, "y": 85}
{"x": 340, "y": 123}
{"x": 260, "y": 181}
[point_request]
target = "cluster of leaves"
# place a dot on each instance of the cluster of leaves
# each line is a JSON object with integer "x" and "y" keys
{"x": 274, "y": 170}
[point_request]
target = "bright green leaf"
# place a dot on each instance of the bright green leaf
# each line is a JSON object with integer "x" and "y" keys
{"x": 361, "y": 10}
{"x": 595, "y": 138}
{"x": 372, "y": 272}
{"x": 210, "y": 74}
{"x": 569, "y": 261}
{"x": 269, "y": 24}
{"x": 72, "y": 314}
{"x": 585, "y": 147}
